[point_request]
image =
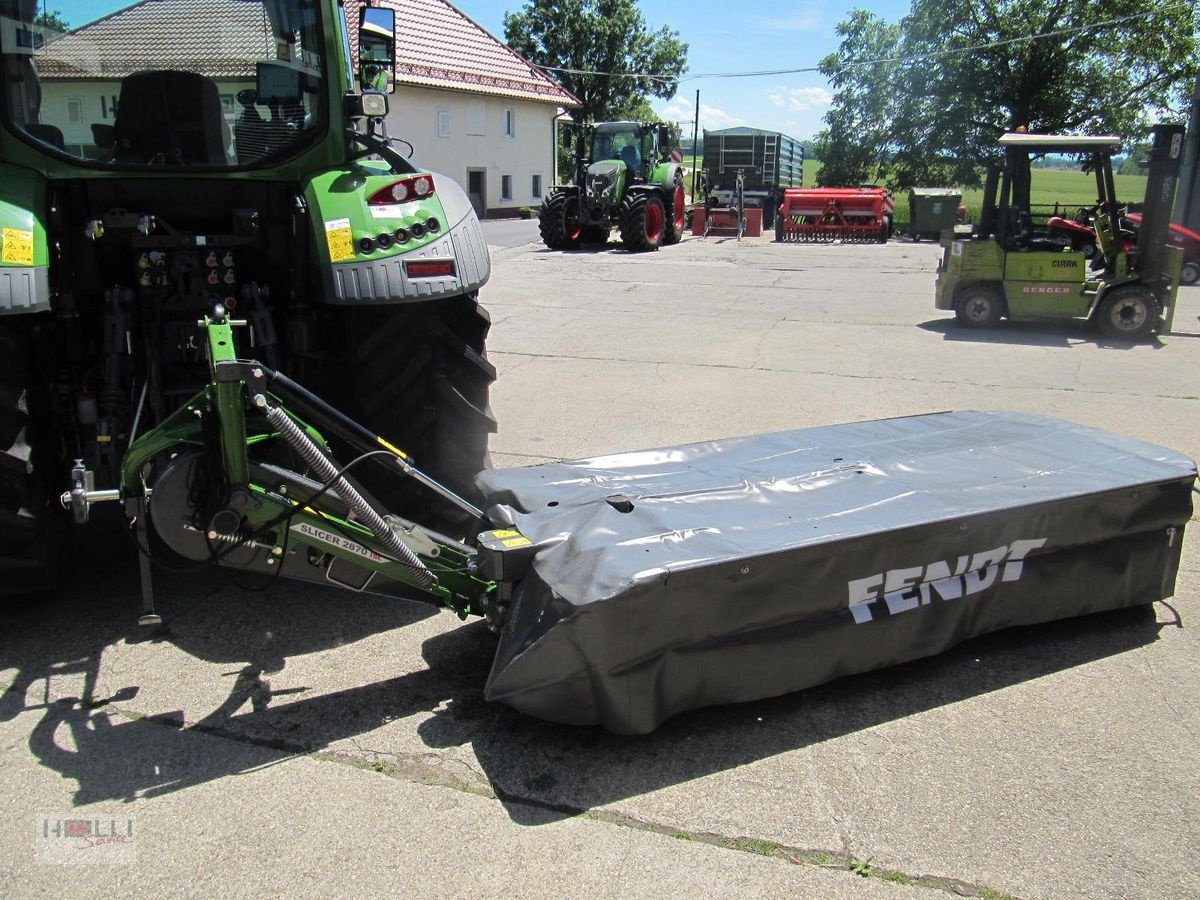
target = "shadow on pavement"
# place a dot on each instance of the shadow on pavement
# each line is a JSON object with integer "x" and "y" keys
{"x": 540, "y": 771}
{"x": 1062, "y": 333}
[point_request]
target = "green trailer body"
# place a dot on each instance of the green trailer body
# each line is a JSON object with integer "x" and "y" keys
{"x": 770, "y": 163}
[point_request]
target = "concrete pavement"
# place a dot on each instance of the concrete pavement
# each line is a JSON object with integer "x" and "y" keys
{"x": 296, "y": 740}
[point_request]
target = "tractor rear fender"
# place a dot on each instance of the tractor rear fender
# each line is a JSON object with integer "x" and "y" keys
{"x": 24, "y": 248}
{"x": 366, "y": 250}
{"x": 664, "y": 174}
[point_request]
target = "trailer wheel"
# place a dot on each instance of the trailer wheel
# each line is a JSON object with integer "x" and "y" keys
{"x": 673, "y": 233}
{"x": 558, "y": 221}
{"x": 979, "y": 307}
{"x": 594, "y": 234}
{"x": 1190, "y": 273}
{"x": 1127, "y": 313}
{"x": 643, "y": 222}
{"x": 419, "y": 377}
{"x": 33, "y": 530}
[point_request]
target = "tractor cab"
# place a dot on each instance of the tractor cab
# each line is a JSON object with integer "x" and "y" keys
{"x": 635, "y": 145}
{"x": 1008, "y": 268}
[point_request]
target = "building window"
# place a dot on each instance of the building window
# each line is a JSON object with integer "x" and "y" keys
{"x": 443, "y": 123}
{"x": 505, "y": 187}
{"x": 535, "y": 189}
{"x": 510, "y": 124}
{"x": 75, "y": 111}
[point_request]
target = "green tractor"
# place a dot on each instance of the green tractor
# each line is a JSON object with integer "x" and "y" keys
{"x": 1007, "y": 270}
{"x": 624, "y": 178}
{"x": 168, "y": 163}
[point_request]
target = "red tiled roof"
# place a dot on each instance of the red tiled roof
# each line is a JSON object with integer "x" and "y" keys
{"x": 438, "y": 46}
{"x": 217, "y": 38}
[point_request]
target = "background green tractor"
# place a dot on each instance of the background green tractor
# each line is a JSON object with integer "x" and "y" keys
{"x": 253, "y": 177}
{"x": 624, "y": 179}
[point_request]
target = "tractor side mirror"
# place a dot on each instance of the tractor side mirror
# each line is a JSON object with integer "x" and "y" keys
{"x": 377, "y": 49}
{"x": 664, "y": 138}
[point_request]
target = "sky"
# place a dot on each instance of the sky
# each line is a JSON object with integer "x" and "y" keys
{"x": 786, "y": 34}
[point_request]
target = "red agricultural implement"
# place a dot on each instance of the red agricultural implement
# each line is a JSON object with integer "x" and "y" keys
{"x": 824, "y": 215}
{"x": 1080, "y": 234}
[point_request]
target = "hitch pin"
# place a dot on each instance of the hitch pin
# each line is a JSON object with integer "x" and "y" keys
{"x": 83, "y": 494}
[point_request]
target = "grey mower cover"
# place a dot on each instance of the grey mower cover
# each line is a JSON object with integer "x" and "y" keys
{"x": 744, "y": 568}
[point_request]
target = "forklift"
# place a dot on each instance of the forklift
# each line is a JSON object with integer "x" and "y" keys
{"x": 1006, "y": 270}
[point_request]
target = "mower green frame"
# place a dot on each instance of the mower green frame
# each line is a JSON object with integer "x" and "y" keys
{"x": 272, "y": 514}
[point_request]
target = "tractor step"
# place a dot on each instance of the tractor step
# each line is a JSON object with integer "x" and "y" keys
{"x": 731, "y": 570}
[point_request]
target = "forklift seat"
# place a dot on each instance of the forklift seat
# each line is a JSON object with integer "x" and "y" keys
{"x": 170, "y": 117}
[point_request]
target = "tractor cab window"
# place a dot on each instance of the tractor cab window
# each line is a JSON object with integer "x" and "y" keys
{"x": 624, "y": 145}
{"x": 164, "y": 82}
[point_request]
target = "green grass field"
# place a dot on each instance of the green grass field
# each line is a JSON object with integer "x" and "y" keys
{"x": 1068, "y": 189}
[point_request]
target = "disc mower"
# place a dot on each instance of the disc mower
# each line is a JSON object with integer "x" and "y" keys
{"x": 157, "y": 283}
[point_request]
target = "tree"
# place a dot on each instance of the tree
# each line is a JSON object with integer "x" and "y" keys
{"x": 853, "y": 148}
{"x": 51, "y": 21}
{"x": 605, "y": 36}
{"x": 968, "y": 72}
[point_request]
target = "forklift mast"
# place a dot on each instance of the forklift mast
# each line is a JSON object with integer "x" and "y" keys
{"x": 1165, "y": 156}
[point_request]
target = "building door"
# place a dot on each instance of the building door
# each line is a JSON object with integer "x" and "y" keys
{"x": 477, "y": 190}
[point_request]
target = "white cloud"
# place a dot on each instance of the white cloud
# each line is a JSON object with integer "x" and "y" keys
{"x": 711, "y": 118}
{"x": 800, "y": 99}
{"x": 807, "y": 17}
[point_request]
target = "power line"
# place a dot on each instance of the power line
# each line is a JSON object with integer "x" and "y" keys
{"x": 933, "y": 54}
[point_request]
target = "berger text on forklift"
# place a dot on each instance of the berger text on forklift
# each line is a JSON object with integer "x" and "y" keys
{"x": 905, "y": 589}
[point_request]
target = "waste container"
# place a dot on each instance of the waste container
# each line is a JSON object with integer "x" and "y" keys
{"x": 932, "y": 210}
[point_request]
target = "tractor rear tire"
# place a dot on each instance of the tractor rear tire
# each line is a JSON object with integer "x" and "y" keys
{"x": 595, "y": 234}
{"x": 1190, "y": 273}
{"x": 33, "y": 529}
{"x": 419, "y": 377}
{"x": 675, "y": 221}
{"x": 979, "y": 307}
{"x": 1128, "y": 313}
{"x": 643, "y": 222}
{"x": 558, "y": 221}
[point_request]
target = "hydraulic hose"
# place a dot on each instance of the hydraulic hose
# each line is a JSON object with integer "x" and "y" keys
{"x": 327, "y": 471}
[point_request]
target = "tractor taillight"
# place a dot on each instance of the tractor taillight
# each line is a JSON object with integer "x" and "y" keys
{"x": 429, "y": 268}
{"x": 417, "y": 187}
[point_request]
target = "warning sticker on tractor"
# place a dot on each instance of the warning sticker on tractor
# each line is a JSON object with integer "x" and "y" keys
{"x": 340, "y": 240}
{"x": 336, "y": 540}
{"x": 18, "y": 247}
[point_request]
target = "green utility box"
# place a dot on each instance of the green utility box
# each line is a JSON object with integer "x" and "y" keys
{"x": 932, "y": 211}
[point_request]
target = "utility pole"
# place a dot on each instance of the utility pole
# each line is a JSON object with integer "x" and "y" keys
{"x": 695, "y": 136}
